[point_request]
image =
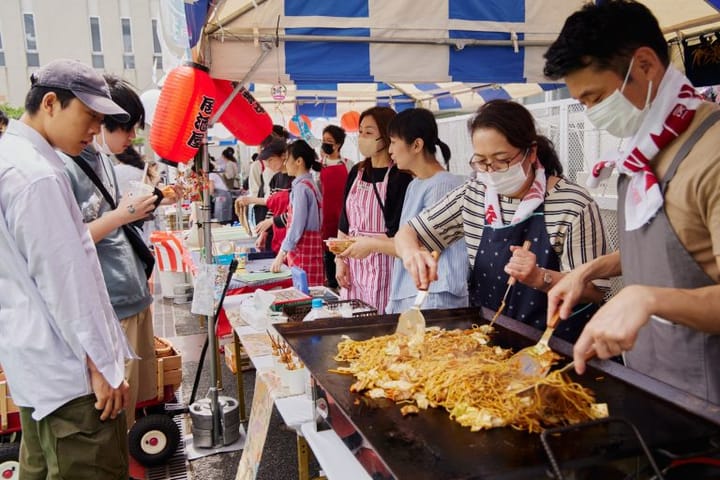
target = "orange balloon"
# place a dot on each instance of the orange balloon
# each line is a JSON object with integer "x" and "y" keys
{"x": 350, "y": 121}
{"x": 295, "y": 128}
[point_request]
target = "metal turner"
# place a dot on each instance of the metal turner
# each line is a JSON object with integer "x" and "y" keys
{"x": 411, "y": 323}
{"x": 535, "y": 361}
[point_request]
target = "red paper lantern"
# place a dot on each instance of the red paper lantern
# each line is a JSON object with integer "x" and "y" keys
{"x": 183, "y": 111}
{"x": 295, "y": 128}
{"x": 245, "y": 118}
{"x": 350, "y": 121}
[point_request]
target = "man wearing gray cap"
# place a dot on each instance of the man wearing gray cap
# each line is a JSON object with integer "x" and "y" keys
{"x": 61, "y": 346}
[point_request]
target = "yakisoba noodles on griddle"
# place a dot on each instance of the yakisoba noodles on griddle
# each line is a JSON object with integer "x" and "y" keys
{"x": 459, "y": 370}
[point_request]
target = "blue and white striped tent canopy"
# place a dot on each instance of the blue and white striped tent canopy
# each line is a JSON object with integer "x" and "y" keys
{"x": 333, "y": 99}
{"x": 340, "y": 55}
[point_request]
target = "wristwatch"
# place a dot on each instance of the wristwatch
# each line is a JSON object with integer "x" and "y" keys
{"x": 547, "y": 279}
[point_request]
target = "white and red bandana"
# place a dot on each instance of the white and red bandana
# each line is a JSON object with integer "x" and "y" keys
{"x": 669, "y": 116}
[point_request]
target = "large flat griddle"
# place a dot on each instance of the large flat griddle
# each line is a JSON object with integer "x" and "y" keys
{"x": 431, "y": 446}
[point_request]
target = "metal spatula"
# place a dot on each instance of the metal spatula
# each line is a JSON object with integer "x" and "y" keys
{"x": 535, "y": 361}
{"x": 564, "y": 369}
{"x": 411, "y": 323}
{"x": 511, "y": 281}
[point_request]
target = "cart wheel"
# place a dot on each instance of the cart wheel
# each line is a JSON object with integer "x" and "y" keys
{"x": 153, "y": 439}
{"x": 9, "y": 461}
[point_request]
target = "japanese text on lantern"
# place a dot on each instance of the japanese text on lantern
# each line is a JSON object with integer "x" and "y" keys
{"x": 201, "y": 122}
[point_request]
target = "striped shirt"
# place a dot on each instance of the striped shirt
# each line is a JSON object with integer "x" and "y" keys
{"x": 572, "y": 219}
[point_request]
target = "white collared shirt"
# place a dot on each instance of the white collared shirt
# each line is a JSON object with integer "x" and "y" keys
{"x": 54, "y": 308}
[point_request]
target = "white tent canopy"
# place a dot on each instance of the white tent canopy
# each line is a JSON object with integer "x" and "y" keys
{"x": 442, "y": 54}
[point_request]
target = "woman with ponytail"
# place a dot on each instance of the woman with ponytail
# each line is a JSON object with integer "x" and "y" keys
{"x": 303, "y": 246}
{"x": 414, "y": 141}
{"x": 518, "y": 195}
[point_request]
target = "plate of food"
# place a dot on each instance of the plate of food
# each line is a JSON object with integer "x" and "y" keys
{"x": 338, "y": 245}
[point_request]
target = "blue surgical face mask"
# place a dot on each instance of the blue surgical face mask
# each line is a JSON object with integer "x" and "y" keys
{"x": 617, "y": 114}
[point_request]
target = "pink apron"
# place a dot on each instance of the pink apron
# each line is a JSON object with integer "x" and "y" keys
{"x": 369, "y": 277}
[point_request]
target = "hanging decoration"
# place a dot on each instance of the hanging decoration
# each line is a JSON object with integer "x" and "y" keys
{"x": 350, "y": 121}
{"x": 183, "y": 111}
{"x": 278, "y": 92}
{"x": 246, "y": 119}
{"x": 300, "y": 126}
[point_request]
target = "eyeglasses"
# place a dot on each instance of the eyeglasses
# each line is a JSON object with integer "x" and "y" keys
{"x": 482, "y": 164}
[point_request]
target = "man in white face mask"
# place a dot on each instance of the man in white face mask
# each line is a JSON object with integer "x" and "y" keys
{"x": 614, "y": 59}
{"x": 125, "y": 260}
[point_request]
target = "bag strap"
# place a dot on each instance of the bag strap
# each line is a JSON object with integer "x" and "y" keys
{"x": 136, "y": 241}
{"x": 687, "y": 146}
{"x": 87, "y": 169}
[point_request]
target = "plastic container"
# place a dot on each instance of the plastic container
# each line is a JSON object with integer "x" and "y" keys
{"x": 299, "y": 279}
{"x": 139, "y": 189}
{"x": 318, "y": 310}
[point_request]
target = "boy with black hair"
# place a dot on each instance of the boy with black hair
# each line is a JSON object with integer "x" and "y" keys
{"x": 61, "y": 346}
{"x": 125, "y": 260}
{"x": 614, "y": 59}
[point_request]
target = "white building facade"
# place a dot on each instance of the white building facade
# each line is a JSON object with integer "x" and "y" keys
{"x": 122, "y": 37}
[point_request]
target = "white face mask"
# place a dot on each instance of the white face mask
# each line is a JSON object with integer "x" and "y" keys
{"x": 368, "y": 146}
{"x": 508, "y": 182}
{"x": 616, "y": 114}
{"x": 101, "y": 147}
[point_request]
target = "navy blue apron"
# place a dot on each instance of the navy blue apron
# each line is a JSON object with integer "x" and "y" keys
{"x": 525, "y": 304}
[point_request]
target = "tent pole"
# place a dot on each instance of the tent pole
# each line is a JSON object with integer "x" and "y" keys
{"x": 210, "y": 319}
{"x": 459, "y": 43}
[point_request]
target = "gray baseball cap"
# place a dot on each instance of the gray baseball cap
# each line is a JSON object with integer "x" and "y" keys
{"x": 83, "y": 81}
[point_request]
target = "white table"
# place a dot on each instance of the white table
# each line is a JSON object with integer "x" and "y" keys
{"x": 297, "y": 411}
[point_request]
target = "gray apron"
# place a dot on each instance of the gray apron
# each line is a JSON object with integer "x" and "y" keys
{"x": 653, "y": 255}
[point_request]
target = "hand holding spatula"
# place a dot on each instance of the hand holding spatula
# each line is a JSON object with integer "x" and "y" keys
{"x": 511, "y": 281}
{"x": 412, "y": 322}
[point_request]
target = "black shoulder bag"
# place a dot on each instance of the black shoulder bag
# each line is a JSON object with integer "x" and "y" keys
{"x": 131, "y": 232}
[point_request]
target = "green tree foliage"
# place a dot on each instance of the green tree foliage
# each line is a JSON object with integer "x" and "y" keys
{"x": 12, "y": 112}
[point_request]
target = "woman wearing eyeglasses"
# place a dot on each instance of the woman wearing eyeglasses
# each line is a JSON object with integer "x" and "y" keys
{"x": 518, "y": 194}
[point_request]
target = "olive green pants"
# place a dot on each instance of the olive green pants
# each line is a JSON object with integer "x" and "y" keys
{"x": 73, "y": 444}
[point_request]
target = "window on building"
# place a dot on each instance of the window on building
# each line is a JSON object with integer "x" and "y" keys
{"x": 157, "y": 50}
{"x": 2, "y": 53}
{"x": 31, "y": 49}
{"x": 128, "y": 55}
{"x": 98, "y": 60}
